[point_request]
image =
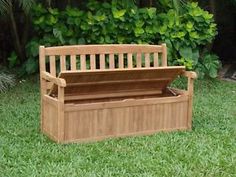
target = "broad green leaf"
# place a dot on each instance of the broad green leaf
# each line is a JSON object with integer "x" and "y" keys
{"x": 186, "y": 52}
{"x": 58, "y": 34}
{"x": 51, "y": 20}
{"x": 32, "y": 48}
{"x": 163, "y": 30}
{"x": 81, "y": 41}
{"x": 106, "y": 5}
{"x": 194, "y": 35}
{"x": 195, "y": 56}
{"x": 13, "y": 60}
{"x": 77, "y": 21}
{"x": 189, "y": 25}
{"x": 53, "y": 11}
{"x": 39, "y": 20}
{"x": 72, "y": 41}
{"x": 207, "y": 16}
{"x": 118, "y": 13}
{"x": 139, "y": 24}
{"x": 151, "y": 12}
{"x": 31, "y": 66}
{"x": 138, "y": 31}
{"x": 194, "y": 4}
{"x": 100, "y": 18}
{"x": 213, "y": 72}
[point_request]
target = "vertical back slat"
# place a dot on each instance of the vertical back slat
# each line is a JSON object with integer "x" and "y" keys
{"x": 82, "y": 62}
{"x": 63, "y": 62}
{"x": 130, "y": 60}
{"x": 111, "y": 61}
{"x": 121, "y": 60}
{"x": 139, "y": 60}
{"x": 73, "y": 62}
{"x": 102, "y": 61}
{"x": 164, "y": 55}
{"x": 156, "y": 60}
{"x": 52, "y": 64}
{"x": 147, "y": 60}
{"x": 92, "y": 62}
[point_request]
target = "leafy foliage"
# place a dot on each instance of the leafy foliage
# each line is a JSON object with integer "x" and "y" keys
{"x": 185, "y": 33}
{"x": 13, "y": 60}
{"x": 208, "y": 66}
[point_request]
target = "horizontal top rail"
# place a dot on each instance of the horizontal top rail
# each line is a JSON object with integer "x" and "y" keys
{"x": 102, "y": 49}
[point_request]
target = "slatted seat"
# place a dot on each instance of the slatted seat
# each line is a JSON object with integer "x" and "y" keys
{"x": 110, "y": 80}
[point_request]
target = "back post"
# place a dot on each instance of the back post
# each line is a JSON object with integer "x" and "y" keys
{"x": 43, "y": 85}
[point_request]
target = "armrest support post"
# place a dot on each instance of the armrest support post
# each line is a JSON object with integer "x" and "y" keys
{"x": 191, "y": 76}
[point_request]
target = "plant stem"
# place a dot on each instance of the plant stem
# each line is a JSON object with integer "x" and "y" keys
{"x": 15, "y": 35}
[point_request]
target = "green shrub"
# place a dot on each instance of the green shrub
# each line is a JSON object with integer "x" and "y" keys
{"x": 185, "y": 33}
{"x": 101, "y": 23}
{"x": 208, "y": 66}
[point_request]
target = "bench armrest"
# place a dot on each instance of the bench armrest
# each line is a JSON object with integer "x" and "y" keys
{"x": 58, "y": 81}
{"x": 190, "y": 74}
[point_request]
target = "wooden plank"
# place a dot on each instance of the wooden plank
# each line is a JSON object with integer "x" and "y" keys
{"x": 130, "y": 134}
{"x": 52, "y": 101}
{"x": 42, "y": 61}
{"x": 121, "y": 70}
{"x": 113, "y": 95}
{"x": 43, "y": 85}
{"x": 111, "y": 61}
{"x": 118, "y": 74}
{"x": 102, "y": 61}
{"x": 61, "y": 133}
{"x": 156, "y": 59}
{"x": 121, "y": 60}
{"x": 102, "y": 49}
{"x": 130, "y": 60}
{"x": 130, "y": 81}
{"x": 52, "y": 65}
{"x": 82, "y": 62}
{"x": 92, "y": 62}
{"x": 114, "y": 88}
{"x": 159, "y": 78}
{"x": 63, "y": 62}
{"x": 73, "y": 62}
{"x": 191, "y": 76}
{"x": 147, "y": 60}
{"x": 125, "y": 103}
{"x": 164, "y": 55}
{"x": 190, "y": 102}
{"x": 139, "y": 60}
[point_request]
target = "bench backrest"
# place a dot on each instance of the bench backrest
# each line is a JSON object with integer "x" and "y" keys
{"x": 102, "y": 57}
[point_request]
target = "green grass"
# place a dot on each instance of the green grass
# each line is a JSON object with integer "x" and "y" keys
{"x": 208, "y": 150}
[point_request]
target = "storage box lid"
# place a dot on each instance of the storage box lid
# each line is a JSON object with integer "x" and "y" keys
{"x": 117, "y": 82}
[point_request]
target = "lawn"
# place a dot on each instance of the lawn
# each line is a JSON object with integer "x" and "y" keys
{"x": 208, "y": 150}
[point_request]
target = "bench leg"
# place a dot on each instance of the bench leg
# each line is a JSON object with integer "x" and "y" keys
{"x": 61, "y": 113}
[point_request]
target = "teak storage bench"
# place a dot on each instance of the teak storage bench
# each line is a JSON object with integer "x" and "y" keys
{"x": 92, "y": 92}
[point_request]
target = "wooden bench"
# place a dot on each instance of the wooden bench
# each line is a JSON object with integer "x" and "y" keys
{"x": 92, "y": 92}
